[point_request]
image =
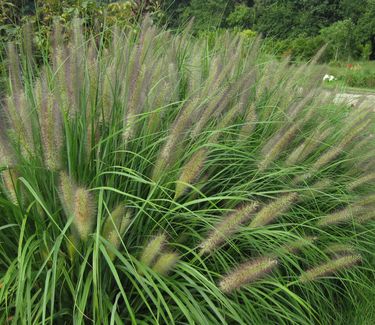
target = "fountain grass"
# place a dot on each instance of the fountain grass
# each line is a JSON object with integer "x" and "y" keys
{"x": 152, "y": 177}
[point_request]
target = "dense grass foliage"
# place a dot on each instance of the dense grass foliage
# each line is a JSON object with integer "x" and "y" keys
{"x": 164, "y": 179}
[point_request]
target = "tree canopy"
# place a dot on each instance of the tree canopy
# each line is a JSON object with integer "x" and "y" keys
{"x": 297, "y": 27}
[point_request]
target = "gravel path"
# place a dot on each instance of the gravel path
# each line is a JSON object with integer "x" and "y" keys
{"x": 354, "y": 99}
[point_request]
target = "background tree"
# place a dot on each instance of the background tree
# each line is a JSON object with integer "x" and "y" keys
{"x": 208, "y": 14}
{"x": 366, "y": 27}
{"x": 242, "y": 16}
{"x": 341, "y": 40}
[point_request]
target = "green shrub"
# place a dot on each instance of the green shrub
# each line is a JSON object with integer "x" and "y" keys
{"x": 248, "y": 33}
{"x": 363, "y": 78}
{"x": 366, "y": 51}
{"x": 305, "y": 48}
{"x": 159, "y": 180}
{"x": 301, "y": 48}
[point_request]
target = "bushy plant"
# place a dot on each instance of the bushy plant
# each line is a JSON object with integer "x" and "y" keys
{"x": 363, "y": 78}
{"x": 248, "y": 33}
{"x": 159, "y": 180}
{"x": 241, "y": 16}
{"x": 300, "y": 48}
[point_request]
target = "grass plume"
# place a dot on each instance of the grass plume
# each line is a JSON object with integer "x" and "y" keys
{"x": 9, "y": 181}
{"x": 247, "y": 273}
{"x": 331, "y": 267}
{"x": 50, "y": 120}
{"x": 361, "y": 181}
{"x": 152, "y": 250}
{"x": 227, "y": 227}
{"x": 272, "y": 210}
{"x": 84, "y": 212}
{"x": 115, "y": 226}
{"x": 165, "y": 263}
{"x": 190, "y": 171}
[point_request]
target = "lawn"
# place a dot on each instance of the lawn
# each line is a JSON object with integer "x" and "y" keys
{"x": 358, "y": 77}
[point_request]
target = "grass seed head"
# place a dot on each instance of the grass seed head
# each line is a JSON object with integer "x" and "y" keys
{"x": 250, "y": 122}
{"x": 330, "y": 267}
{"x": 50, "y": 121}
{"x": 247, "y": 273}
{"x": 279, "y": 142}
{"x": 295, "y": 246}
{"x": 338, "y": 250}
{"x": 190, "y": 172}
{"x": 67, "y": 191}
{"x": 153, "y": 249}
{"x": 165, "y": 263}
{"x": 84, "y": 212}
{"x": 272, "y": 210}
{"x": 115, "y": 226}
{"x": 6, "y": 155}
{"x": 14, "y": 68}
{"x": 344, "y": 215}
{"x": 369, "y": 177}
{"x": 316, "y": 188}
{"x": 227, "y": 227}
{"x": 307, "y": 147}
{"x": 9, "y": 178}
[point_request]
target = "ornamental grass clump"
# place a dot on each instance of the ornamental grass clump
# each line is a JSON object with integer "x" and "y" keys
{"x": 156, "y": 177}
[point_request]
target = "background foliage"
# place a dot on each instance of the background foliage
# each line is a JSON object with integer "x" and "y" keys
{"x": 347, "y": 25}
{"x": 288, "y": 20}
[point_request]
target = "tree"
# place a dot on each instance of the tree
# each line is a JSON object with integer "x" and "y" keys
{"x": 173, "y": 10}
{"x": 341, "y": 39}
{"x": 208, "y": 14}
{"x": 353, "y": 9}
{"x": 274, "y": 19}
{"x": 365, "y": 30}
{"x": 242, "y": 16}
{"x": 292, "y": 18}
